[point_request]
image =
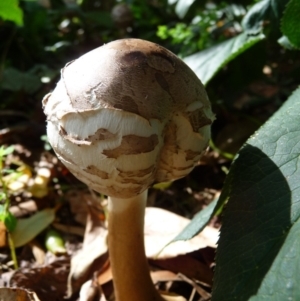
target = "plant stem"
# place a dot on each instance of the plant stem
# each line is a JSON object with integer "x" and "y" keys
{"x": 12, "y": 251}
{"x": 129, "y": 265}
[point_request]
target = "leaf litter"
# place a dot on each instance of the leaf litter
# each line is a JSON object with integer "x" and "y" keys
{"x": 51, "y": 198}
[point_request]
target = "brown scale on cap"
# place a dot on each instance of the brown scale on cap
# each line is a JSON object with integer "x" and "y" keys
{"x": 133, "y": 145}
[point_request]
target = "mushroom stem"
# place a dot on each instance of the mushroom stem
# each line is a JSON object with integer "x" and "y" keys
{"x": 129, "y": 265}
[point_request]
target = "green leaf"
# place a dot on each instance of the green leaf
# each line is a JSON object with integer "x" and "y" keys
{"x": 162, "y": 185}
{"x": 262, "y": 13}
{"x": 9, "y": 10}
{"x": 8, "y": 219}
{"x": 182, "y": 7}
{"x": 202, "y": 218}
{"x": 15, "y": 80}
{"x": 2, "y": 196}
{"x": 198, "y": 223}
{"x": 29, "y": 228}
{"x": 208, "y": 62}
{"x": 54, "y": 242}
{"x": 258, "y": 255}
{"x": 290, "y": 22}
{"x": 285, "y": 42}
{"x": 4, "y": 151}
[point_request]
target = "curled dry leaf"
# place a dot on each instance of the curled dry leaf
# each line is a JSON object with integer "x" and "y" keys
{"x": 38, "y": 252}
{"x": 171, "y": 297}
{"x": 155, "y": 239}
{"x": 48, "y": 281}
{"x": 186, "y": 265}
{"x": 17, "y": 294}
{"x": 90, "y": 257}
{"x": 91, "y": 291}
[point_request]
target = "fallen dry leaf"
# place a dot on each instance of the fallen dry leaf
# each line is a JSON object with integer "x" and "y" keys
{"x": 161, "y": 226}
{"x": 186, "y": 265}
{"x": 24, "y": 208}
{"x": 163, "y": 276}
{"x": 78, "y": 204}
{"x": 91, "y": 257}
{"x": 3, "y": 237}
{"x": 90, "y": 291}
{"x": 17, "y": 294}
{"x": 69, "y": 229}
{"x": 105, "y": 274}
{"x": 172, "y": 297}
{"x": 38, "y": 252}
{"x": 48, "y": 281}
{"x": 203, "y": 293}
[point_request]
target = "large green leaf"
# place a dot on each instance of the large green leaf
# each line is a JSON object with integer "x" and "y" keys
{"x": 198, "y": 223}
{"x": 28, "y": 228}
{"x": 208, "y": 62}
{"x": 16, "y": 80}
{"x": 9, "y": 10}
{"x": 182, "y": 7}
{"x": 290, "y": 22}
{"x": 264, "y": 13}
{"x": 258, "y": 255}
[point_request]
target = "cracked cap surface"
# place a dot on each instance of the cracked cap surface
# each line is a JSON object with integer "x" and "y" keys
{"x": 126, "y": 115}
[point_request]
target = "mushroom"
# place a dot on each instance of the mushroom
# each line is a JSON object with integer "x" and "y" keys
{"x": 122, "y": 117}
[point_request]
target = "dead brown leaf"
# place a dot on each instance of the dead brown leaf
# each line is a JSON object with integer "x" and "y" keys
{"x": 48, "y": 281}
{"x": 78, "y": 204}
{"x": 164, "y": 276}
{"x": 186, "y": 265}
{"x": 24, "y": 208}
{"x": 3, "y": 237}
{"x": 92, "y": 255}
{"x": 91, "y": 291}
{"x": 38, "y": 252}
{"x": 161, "y": 226}
{"x": 17, "y": 294}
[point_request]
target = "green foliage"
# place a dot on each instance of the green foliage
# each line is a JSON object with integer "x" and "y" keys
{"x": 208, "y": 62}
{"x": 198, "y": 223}
{"x": 4, "y": 195}
{"x": 290, "y": 22}
{"x": 257, "y": 255}
{"x": 9, "y": 10}
{"x": 29, "y": 228}
{"x": 264, "y": 14}
{"x": 182, "y": 7}
{"x": 6, "y": 217}
{"x": 54, "y": 242}
{"x": 15, "y": 80}
{"x": 257, "y": 249}
{"x": 204, "y": 30}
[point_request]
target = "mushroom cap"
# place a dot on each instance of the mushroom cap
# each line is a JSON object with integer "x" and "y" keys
{"x": 127, "y": 115}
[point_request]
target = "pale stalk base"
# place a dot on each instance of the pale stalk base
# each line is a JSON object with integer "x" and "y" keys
{"x": 129, "y": 265}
